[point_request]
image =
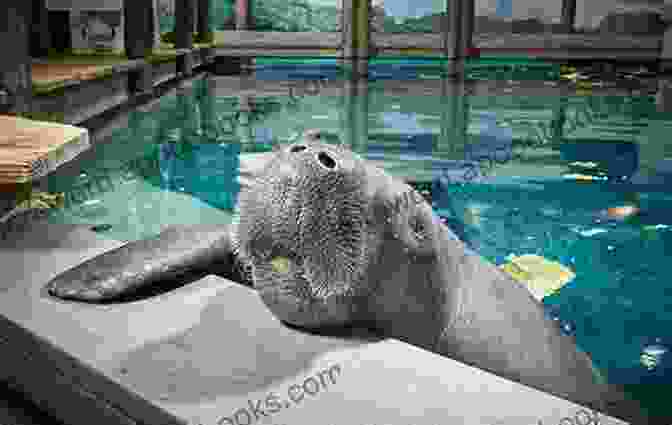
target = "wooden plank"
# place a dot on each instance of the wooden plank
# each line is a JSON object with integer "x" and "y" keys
{"x": 31, "y": 149}
{"x": 85, "y": 99}
{"x": 51, "y": 74}
{"x": 183, "y": 357}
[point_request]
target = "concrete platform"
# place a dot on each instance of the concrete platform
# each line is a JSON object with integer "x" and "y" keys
{"x": 211, "y": 353}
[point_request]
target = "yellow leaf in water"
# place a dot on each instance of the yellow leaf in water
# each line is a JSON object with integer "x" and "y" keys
{"x": 541, "y": 276}
{"x": 280, "y": 264}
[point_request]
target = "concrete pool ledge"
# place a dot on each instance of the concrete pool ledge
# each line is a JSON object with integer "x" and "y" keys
{"x": 210, "y": 353}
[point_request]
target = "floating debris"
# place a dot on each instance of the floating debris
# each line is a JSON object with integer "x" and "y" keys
{"x": 99, "y": 228}
{"x": 652, "y": 355}
{"x": 280, "y": 264}
{"x": 592, "y": 232}
{"x": 584, "y": 164}
{"x": 540, "y": 275}
{"x": 622, "y": 212}
{"x": 43, "y": 200}
{"x": 91, "y": 202}
{"x": 583, "y": 177}
{"x": 657, "y": 227}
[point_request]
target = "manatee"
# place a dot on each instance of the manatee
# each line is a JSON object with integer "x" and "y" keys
{"x": 328, "y": 240}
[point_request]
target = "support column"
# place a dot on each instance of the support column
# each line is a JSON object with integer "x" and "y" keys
{"x": 243, "y": 24}
{"x": 558, "y": 120}
{"x": 666, "y": 52}
{"x": 568, "y": 15}
{"x": 355, "y": 113}
{"x": 344, "y": 9}
{"x": 356, "y": 37}
{"x": 453, "y": 37}
{"x": 203, "y": 21}
{"x": 206, "y": 101}
{"x": 139, "y": 38}
{"x": 242, "y": 14}
{"x": 15, "y": 67}
{"x": 244, "y": 127}
{"x": 138, "y": 28}
{"x": 468, "y": 20}
{"x": 184, "y": 25}
{"x": 156, "y": 36}
{"x": 664, "y": 95}
{"x": 40, "y": 40}
{"x": 454, "y": 115}
{"x": 59, "y": 30}
{"x": 194, "y": 5}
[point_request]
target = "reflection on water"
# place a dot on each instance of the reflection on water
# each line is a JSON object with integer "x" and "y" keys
{"x": 582, "y": 180}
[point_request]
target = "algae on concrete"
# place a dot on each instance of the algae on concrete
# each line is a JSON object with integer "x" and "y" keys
{"x": 104, "y": 63}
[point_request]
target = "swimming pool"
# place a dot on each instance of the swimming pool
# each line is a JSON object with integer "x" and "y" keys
{"x": 550, "y": 172}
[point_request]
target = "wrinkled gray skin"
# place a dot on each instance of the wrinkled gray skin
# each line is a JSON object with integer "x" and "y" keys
{"x": 332, "y": 240}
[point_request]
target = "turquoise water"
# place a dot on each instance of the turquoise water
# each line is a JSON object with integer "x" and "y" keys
{"x": 511, "y": 173}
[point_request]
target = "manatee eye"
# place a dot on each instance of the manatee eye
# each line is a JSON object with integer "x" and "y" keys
{"x": 297, "y": 148}
{"x": 417, "y": 226}
{"x": 326, "y": 160}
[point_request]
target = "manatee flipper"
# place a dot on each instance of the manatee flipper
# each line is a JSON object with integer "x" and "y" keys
{"x": 176, "y": 256}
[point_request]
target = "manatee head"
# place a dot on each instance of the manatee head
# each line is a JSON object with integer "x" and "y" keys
{"x": 312, "y": 226}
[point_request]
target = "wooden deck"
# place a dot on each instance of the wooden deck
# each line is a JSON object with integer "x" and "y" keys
{"x": 31, "y": 149}
{"x": 49, "y": 74}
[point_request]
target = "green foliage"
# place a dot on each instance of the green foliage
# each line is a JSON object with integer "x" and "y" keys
{"x": 205, "y": 38}
{"x": 162, "y": 56}
{"x": 58, "y": 117}
{"x": 170, "y": 37}
{"x": 52, "y": 88}
{"x": 294, "y": 16}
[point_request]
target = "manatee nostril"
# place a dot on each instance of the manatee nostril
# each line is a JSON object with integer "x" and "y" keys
{"x": 297, "y": 148}
{"x": 326, "y": 160}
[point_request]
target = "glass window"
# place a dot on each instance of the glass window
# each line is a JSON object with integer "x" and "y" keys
{"x": 166, "y": 15}
{"x": 222, "y": 15}
{"x": 620, "y": 17}
{"x": 517, "y": 17}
